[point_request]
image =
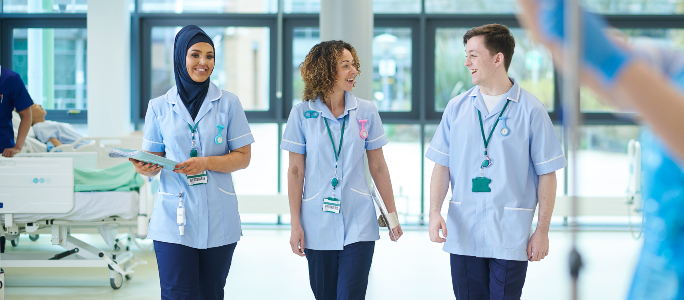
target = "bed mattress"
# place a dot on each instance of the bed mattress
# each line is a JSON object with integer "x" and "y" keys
{"x": 90, "y": 206}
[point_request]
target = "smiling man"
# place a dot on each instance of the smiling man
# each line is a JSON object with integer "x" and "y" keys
{"x": 497, "y": 148}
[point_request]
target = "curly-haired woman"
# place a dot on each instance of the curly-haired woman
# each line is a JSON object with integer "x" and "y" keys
{"x": 333, "y": 216}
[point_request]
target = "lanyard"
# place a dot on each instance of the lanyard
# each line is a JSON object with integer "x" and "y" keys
{"x": 334, "y": 180}
{"x": 193, "y": 150}
{"x": 338, "y": 152}
{"x": 487, "y": 161}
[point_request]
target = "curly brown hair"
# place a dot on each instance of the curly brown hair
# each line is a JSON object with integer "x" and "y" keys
{"x": 319, "y": 68}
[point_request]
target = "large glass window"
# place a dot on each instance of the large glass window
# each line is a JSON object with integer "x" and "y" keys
{"x": 391, "y": 69}
{"x": 470, "y": 7}
{"x": 209, "y": 6}
{"x": 241, "y": 67}
{"x": 52, "y": 64}
{"x": 304, "y": 39}
{"x": 636, "y": 7}
{"x": 666, "y": 38}
{"x": 402, "y": 155}
{"x": 261, "y": 177}
{"x": 44, "y": 6}
{"x": 396, "y": 6}
{"x": 531, "y": 66}
{"x": 602, "y": 164}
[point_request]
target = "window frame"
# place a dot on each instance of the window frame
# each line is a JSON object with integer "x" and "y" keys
{"x": 9, "y": 22}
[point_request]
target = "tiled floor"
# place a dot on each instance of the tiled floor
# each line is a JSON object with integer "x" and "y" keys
{"x": 264, "y": 268}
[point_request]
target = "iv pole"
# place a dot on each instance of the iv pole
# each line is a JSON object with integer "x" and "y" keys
{"x": 571, "y": 120}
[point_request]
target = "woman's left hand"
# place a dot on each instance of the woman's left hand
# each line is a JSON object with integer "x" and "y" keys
{"x": 397, "y": 233}
{"x": 193, "y": 166}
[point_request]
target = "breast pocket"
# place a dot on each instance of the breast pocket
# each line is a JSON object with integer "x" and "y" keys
{"x": 215, "y": 134}
{"x": 515, "y": 226}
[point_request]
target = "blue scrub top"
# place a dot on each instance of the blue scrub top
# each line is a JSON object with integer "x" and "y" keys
{"x": 211, "y": 209}
{"x": 495, "y": 224}
{"x": 13, "y": 94}
{"x": 356, "y": 221}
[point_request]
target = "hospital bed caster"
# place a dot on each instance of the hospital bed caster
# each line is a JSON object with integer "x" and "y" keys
{"x": 15, "y": 241}
{"x": 2, "y": 244}
{"x": 34, "y": 237}
{"x": 129, "y": 276}
{"x": 115, "y": 279}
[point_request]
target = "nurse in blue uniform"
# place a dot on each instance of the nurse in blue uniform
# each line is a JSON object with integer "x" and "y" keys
{"x": 195, "y": 224}
{"x": 13, "y": 95}
{"x": 333, "y": 216}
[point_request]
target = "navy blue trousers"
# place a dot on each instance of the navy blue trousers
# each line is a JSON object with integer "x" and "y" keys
{"x": 190, "y": 273}
{"x": 477, "y": 278}
{"x": 340, "y": 274}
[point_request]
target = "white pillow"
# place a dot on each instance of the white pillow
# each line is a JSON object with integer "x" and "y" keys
{"x": 16, "y": 119}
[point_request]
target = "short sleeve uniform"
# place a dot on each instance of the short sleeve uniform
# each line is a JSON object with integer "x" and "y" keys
{"x": 494, "y": 224}
{"x": 306, "y": 133}
{"x": 211, "y": 209}
{"x": 13, "y": 94}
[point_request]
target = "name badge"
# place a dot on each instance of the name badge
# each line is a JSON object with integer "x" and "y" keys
{"x": 331, "y": 205}
{"x": 200, "y": 178}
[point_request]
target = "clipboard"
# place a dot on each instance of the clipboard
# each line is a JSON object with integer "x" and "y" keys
{"x": 143, "y": 156}
{"x": 382, "y": 219}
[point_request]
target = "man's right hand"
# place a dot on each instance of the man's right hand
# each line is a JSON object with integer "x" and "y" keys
{"x": 437, "y": 223}
{"x": 297, "y": 240}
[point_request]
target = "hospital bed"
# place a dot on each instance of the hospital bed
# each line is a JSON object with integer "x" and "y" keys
{"x": 37, "y": 196}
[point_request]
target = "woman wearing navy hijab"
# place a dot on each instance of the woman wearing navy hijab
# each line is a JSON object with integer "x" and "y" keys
{"x": 195, "y": 224}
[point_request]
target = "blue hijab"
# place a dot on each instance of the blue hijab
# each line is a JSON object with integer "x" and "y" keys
{"x": 191, "y": 93}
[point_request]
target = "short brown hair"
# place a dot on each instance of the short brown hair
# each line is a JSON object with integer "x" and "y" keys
{"x": 319, "y": 68}
{"x": 497, "y": 38}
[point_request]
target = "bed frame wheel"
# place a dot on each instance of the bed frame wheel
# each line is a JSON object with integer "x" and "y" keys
{"x": 129, "y": 276}
{"x": 34, "y": 237}
{"x": 115, "y": 279}
{"x": 15, "y": 242}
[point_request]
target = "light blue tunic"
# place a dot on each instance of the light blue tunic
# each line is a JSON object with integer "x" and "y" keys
{"x": 356, "y": 221}
{"x": 211, "y": 209}
{"x": 495, "y": 224}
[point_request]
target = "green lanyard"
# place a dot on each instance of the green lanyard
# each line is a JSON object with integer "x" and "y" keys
{"x": 338, "y": 152}
{"x": 487, "y": 162}
{"x": 193, "y": 150}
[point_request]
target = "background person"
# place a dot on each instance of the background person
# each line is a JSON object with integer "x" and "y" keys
{"x": 13, "y": 95}
{"x": 204, "y": 127}
{"x": 332, "y": 214}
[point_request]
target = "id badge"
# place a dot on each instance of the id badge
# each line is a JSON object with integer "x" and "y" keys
{"x": 481, "y": 185}
{"x": 200, "y": 178}
{"x": 331, "y": 205}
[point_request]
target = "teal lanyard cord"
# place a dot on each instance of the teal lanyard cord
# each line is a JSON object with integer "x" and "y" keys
{"x": 337, "y": 153}
{"x": 486, "y": 140}
{"x": 193, "y": 151}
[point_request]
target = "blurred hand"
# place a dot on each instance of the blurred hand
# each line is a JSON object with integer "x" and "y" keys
{"x": 193, "y": 166}
{"x": 146, "y": 169}
{"x": 397, "y": 233}
{"x": 437, "y": 223}
{"x": 297, "y": 240}
{"x": 538, "y": 246}
{"x": 10, "y": 152}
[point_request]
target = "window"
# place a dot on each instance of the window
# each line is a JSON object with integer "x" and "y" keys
{"x": 242, "y": 63}
{"x": 209, "y": 6}
{"x": 304, "y": 39}
{"x": 48, "y": 7}
{"x": 531, "y": 67}
{"x": 52, "y": 64}
{"x": 392, "y": 77}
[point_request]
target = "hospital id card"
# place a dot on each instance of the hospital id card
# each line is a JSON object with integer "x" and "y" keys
{"x": 200, "y": 178}
{"x": 481, "y": 185}
{"x": 331, "y": 205}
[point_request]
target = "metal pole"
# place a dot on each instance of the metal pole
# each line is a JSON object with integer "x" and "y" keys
{"x": 572, "y": 119}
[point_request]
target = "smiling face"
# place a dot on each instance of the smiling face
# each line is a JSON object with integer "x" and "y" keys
{"x": 199, "y": 61}
{"x": 481, "y": 64}
{"x": 346, "y": 72}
